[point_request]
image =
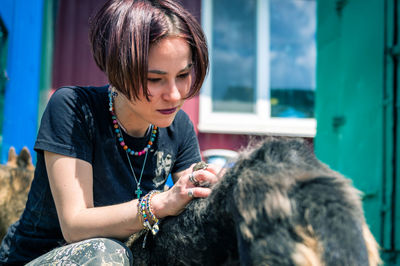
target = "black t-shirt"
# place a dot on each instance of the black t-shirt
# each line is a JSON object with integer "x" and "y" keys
{"x": 77, "y": 123}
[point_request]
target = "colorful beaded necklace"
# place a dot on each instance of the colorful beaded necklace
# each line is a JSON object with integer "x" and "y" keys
{"x": 117, "y": 130}
{"x": 129, "y": 151}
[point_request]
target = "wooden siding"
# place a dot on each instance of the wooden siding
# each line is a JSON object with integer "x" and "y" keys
{"x": 73, "y": 62}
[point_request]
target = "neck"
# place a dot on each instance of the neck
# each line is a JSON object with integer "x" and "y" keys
{"x": 126, "y": 118}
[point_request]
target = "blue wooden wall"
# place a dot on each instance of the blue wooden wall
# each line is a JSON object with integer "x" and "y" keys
{"x": 23, "y": 20}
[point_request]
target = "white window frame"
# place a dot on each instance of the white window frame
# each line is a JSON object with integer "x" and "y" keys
{"x": 259, "y": 122}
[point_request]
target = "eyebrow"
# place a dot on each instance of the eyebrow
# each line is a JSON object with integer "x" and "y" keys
{"x": 155, "y": 71}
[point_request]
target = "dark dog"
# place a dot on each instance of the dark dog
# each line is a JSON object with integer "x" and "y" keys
{"x": 278, "y": 205}
{"x": 15, "y": 181}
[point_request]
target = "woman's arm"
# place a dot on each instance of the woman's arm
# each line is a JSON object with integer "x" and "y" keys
{"x": 71, "y": 183}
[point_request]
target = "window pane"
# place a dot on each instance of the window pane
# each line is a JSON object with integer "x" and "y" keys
{"x": 292, "y": 58}
{"x": 234, "y": 56}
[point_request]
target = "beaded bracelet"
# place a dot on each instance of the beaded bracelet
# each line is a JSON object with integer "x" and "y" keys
{"x": 145, "y": 205}
{"x": 155, "y": 228}
{"x": 140, "y": 213}
{"x": 145, "y": 221}
{"x": 143, "y": 218}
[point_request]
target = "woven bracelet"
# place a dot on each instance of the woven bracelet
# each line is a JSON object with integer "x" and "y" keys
{"x": 147, "y": 214}
{"x": 140, "y": 213}
{"x": 146, "y": 223}
{"x": 155, "y": 228}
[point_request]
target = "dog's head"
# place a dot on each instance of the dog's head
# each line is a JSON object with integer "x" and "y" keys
{"x": 15, "y": 180}
{"x": 17, "y": 172}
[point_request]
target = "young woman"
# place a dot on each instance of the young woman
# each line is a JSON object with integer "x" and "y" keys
{"x": 102, "y": 152}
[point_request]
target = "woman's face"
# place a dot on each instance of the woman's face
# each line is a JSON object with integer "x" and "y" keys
{"x": 169, "y": 80}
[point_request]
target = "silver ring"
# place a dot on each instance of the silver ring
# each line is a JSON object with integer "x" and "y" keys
{"x": 200, "y": 166}
{"x": 193, "y": 180}
{"x": 190, "y": 193}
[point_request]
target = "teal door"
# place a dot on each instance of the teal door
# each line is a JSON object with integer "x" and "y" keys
{"x": 357, "y": 104}
{"x": 390, "y": 214}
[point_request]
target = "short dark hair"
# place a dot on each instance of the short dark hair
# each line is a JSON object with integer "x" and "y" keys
{"x": 122, "y": 32}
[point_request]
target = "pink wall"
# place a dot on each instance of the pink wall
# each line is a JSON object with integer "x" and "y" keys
{"x": 73, "y": 62}
{"x": 191, "y": 107}
{"x": 222, "y": 141}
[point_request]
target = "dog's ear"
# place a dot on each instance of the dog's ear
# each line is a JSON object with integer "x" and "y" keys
{"x": 12, "y": 157}
{"x": 24, "y": 159}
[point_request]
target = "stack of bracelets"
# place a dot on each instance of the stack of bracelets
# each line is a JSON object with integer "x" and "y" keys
{"x": 150, "y": 221}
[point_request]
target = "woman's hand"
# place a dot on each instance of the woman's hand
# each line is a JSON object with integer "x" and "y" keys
{"x": 173, "y": 201}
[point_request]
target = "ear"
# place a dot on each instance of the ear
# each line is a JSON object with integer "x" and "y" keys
{"x": 12, "y": 157}
{"x": 24, "y": 159}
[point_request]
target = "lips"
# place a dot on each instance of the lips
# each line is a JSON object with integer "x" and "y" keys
{"x": 167, "y": 111}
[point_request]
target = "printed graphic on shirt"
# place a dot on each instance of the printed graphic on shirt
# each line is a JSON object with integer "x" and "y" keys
{"x": 163, "y": 167}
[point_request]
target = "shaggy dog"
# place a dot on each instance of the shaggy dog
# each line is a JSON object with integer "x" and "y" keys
{"x": 278, "y": 205}
{"x": 15, "y": 181}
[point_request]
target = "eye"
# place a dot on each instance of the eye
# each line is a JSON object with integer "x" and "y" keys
{"x": 153, "y": 80}
{"x": 183, "y": 75}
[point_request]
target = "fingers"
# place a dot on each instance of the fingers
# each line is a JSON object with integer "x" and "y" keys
{"x": 193, "y": 179}
{"x": 190, "y": 193}
{"x": 200, "y": 165}
{"x": 198, "y": 192}
{"x": 195, "y": 183}
{"x": 213, "y": 168}
{"x": 202, "y": 178}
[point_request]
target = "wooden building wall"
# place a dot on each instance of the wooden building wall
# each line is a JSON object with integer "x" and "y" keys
{"x": 23, "y": 21}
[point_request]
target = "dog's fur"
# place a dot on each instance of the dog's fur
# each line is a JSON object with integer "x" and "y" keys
{"x": 15, "y": 181}
{"x": 278, "y": 205}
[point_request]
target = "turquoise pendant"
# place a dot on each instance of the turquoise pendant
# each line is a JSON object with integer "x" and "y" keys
{"x": 138, "y": 192}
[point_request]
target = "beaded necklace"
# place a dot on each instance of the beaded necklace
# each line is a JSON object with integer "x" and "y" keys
{"x": 117, "y": 130}
{"x": 129, "y": 151}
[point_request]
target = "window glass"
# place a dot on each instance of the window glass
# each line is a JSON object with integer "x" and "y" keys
{"x": 234, "y": 45}
{"x": 292, "y": 58}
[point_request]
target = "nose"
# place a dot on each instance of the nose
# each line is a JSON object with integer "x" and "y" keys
{"x": 172, "y": 92}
